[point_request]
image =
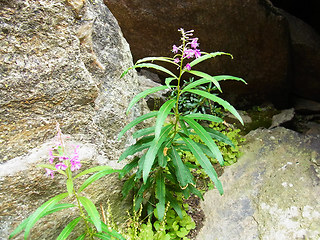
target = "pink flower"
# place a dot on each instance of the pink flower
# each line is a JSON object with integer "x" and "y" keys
{"x": 197, "y": 53}
{"x": 188, "y": 53}
{"x": 75, "y": 165}
{"x": 176, "y": 60}
{"x": 188, "y": 67}
{"x": 194, "y": 43}
{"x": 51, "y": 156}
{"x": 49, "y": 172}
{"x": 61, "y": 166}
{"x": 175, "y": 49}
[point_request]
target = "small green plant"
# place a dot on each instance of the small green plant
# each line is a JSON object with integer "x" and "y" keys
{"x": 65, "y": 163}
{"x": 172, "y": 227}
{"x": 161, "y": 173}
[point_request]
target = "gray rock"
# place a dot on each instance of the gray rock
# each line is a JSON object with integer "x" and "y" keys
{"x": 283, "y": 117}
{"x": 253, "y": 31}
{"x": 272, "y": 192}
{"x": 60, "y": 61}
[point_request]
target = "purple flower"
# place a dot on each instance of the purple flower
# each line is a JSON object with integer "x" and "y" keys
{"x": 176, "y": 60}
{"x": 188, "y": 53}
{"x": 188, "y": 67}
{"x": 61, "y": 166}
{"x": 197, "y": 53}
{"x": 194, "y": 43}
{"x": 175, "y": 49}
{"x": 75, "y": 165}
{"x": 49, "y": 172}
{"x": 51, "y": 156}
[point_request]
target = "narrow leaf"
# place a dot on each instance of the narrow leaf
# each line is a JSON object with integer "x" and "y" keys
{"x": 127, "y": 168}
{"x": 143, "y": 132}
{"x": 222, "y": 102}
{"x": 162, "y": 154}
{"x": 163, "y": 59}
{"x": 95, "y": 177}
{"x": 127, "y": 186}
{"x": 111, "y": 232}
{"x": 181, "y": 171}
{"x": 70, "y": 186}
{"x": 68, "y": 229}
{"x": 174, "y": 204}
{"x": 137, "y": 147}
{"x": 41, "y": 210}
{"x": 219, "y": 136}
{"x": 92, "y": 212}
{"x": 206, "y": 76}
{"x": 206, "y": 138}
{"x": 143, "y": 95}
{"x": 204, "y": 162}
{"x": 91, "y": 170}
{"x": 136, "y": 121}
{"x": 168, "y": 81}
{"x": 81, "y": 237}
{"x": 162, "y": 115}
{"x": 160, "y": 195}
{"x": 184, "y": 127}
{"x": 155, "y": 66}
{"x": 151, "y": 154}
{"x": 206, "y": 56}
{"x": 200, "y": 116}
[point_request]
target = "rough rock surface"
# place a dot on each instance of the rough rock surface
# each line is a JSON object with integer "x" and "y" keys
{"x": 253, "y": 31}
{"x": 271, "y": 193}
{"x": 60, "y": 61}
{"x": 306, "y": 58}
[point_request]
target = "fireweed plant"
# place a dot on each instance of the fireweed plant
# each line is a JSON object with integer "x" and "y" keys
{"x": 61, "y": 162}
{"x": 160, "y": 170}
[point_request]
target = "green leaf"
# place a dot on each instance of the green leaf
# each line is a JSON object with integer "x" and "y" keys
{"x": 125, "y": 72}
{"x": 143, "y": 95}
{"x": 142, "y": 132}
{"x": 195, "y": 191}
{"x": 184, "y": 127}
{"x": 127, "y": 186}
{"x": 163, "y": 59}
{"x": 217, "y": 78}
{"x": 162, "y": 115}
{"x": 155, "y": 66}
{"x": 206, "y": 56}
{"x": 182, "y": 172}
{"x": 68, "y": 229}
{"x": 140, "y": 145}
{"x": 111, "y": 232}
{"x": 49, "y": 166}
{"x": 152, "y": 152}
{"x": 222, "y": 102}
{"x": 206, "y": 76}
{"x": 95, "y": 177}
{"x": 168, "y": 81}
{"x": 204, "y": 162}
{"x": 58, "y": 207}
{"x": 128, "y": 167}
{"x": 92, "y": 212}
{"x": 70, "y": 186}
{"x": 91, "y": 170}
{"x": 136, "y": 121}
{"x": 174, "y": 204}
{"x": 103, "y": 236}
{"x": 40, "y": 212}
{"x": 162, "y": 158}
{"x": 81, "y": 237}
{"x": 160, "y": 195}
{"x": 219, "y": 136}
{"x": 200, "y": 116}
{"x": 206, "y": 138}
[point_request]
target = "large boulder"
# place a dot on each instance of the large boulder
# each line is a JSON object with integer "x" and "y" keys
{"x": 60, "y": 61}
{"x": 272, "y": 192}
{"x": 253, "y": 31}
{"x": 306, "y": 58}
